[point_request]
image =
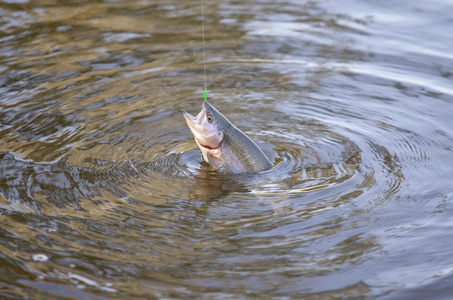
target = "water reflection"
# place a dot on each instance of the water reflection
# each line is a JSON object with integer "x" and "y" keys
{"x": 209, "y": 185}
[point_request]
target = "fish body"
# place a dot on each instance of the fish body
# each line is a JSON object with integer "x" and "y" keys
{"x": 223, "y": 145}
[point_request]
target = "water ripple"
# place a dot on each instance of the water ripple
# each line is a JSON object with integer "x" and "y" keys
{"x": 103, "y": 192}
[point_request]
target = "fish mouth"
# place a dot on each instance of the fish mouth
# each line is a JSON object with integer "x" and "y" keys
{"x": 194, "y": 124}
{"x": 191, "y": 121}
{"x": 196, "y": 128}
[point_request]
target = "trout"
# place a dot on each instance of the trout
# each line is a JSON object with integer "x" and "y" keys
{"x": 223, "y": 145}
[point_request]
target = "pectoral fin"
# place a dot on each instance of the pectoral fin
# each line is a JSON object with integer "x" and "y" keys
{"x": 214, "y": 161}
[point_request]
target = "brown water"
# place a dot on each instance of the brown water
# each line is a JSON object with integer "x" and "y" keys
{"x": 103, "y": 193}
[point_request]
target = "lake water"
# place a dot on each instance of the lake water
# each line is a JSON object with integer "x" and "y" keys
{"x": 103, "y": 192}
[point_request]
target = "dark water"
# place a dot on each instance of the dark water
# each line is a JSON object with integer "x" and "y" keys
{"x": 103, "y": 193}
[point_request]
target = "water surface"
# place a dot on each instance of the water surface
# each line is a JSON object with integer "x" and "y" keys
{"x": 103, "y": 192}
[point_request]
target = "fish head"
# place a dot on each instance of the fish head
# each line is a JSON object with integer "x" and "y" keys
{"x": 208, "y": 128}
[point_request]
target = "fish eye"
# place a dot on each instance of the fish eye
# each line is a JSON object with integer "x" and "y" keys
{"x": 210, "y": 119}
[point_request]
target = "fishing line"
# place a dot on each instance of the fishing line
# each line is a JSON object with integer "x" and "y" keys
{"x": 204, "y": 49}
